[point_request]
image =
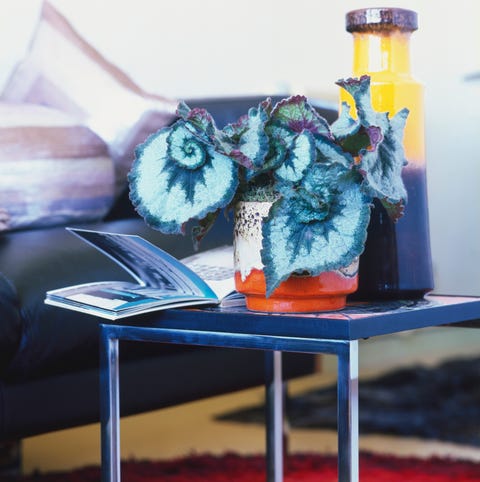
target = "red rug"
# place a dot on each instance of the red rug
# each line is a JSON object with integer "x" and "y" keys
{"x": 298, "y": 468}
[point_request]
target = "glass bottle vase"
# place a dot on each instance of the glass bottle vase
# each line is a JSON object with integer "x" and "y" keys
{"x": 396, "y": 263}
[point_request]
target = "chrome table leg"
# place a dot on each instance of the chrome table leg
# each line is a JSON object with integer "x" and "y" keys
{"x": 274, "y": 415}
{"x": 109, "y": 408}
{"x": 347, "y": 414}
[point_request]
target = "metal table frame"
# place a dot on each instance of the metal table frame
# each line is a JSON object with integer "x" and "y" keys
{"x": 274, "y": 334}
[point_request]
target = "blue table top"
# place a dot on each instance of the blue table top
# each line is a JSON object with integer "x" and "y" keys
{"x": 356, "y": 321}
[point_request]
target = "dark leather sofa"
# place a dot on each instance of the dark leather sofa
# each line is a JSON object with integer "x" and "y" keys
{"x": 49, "y": 356}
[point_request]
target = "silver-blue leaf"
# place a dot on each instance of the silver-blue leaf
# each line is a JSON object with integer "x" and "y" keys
{"x": 317, "y": 233}
{"x": 382, "y": 168}
{"x": 329, "y": 152}
{"x": 345, "y": 125}
{"x": 382, "y": 164}
{"x": 167, "y": 191}
{"x": 298, "y": 158}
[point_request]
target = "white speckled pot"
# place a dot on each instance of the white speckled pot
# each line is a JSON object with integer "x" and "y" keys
{"x": 325, "y": 292}
{"x": 248, "y": 236}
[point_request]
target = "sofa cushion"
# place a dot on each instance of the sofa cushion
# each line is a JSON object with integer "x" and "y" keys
{"x": 54, "y": 170}
{"x": 11, "y": 322}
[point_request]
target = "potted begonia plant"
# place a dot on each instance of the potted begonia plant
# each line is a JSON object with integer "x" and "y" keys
{"x": 315, "y": 183}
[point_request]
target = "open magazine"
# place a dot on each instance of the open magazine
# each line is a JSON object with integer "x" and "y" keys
{"x": 161, "y": 281}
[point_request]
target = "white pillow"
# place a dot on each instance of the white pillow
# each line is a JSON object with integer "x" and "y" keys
{"x": 64, "y": 71}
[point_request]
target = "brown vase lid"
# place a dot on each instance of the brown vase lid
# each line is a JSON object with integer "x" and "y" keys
{"x": 376, "y": 19}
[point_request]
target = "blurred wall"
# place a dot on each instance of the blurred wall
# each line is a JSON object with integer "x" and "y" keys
{"x": 186, "y": 48}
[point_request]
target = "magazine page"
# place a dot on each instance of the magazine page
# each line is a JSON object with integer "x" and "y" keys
{"x": 216, "y": 268}
{"x": 148, "y": 264}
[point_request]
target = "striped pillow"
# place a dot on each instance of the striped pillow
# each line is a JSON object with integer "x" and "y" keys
{"x": 53, "y": 170}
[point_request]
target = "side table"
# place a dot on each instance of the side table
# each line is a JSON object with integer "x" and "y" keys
{"x": 334, "y": 333}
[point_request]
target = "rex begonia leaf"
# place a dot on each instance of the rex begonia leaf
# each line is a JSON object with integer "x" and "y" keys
{"x": 352, "y": 135}
{"x": 228, "y": 140}
{"x": 290, "y": 118}
{"x": 298, "y": 158}
{"x": 198, "y": 120}
{"x": 297, "y": 115}
{"x": 321, "y": 231}
{"x": 384, "y": 160}
{"x": 359, "y": 89}
{"x": 246, "y": 140}
{"x": 345, "y": 125}
{"x": 184, "y": 148}
{"x": 329, "y": 152}
{"x": 203, "y": 227}
{"x": 183, "y": 110}
{"x": 281, "y": 141}
{"x": 382, "y": 167}
{"x": 366, "y": 138}
{"x": 177, "y": 176}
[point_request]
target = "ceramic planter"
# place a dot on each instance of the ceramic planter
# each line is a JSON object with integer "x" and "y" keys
{"x": 299, "y": 293}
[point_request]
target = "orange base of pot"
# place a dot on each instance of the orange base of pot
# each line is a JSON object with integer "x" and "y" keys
{"x": 298, "y": 294}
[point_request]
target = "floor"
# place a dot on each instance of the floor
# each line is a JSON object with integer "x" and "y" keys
{"x": 192, "y": 428}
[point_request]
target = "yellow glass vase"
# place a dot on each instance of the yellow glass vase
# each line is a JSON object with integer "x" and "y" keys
{"x": 396, "y": 262}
